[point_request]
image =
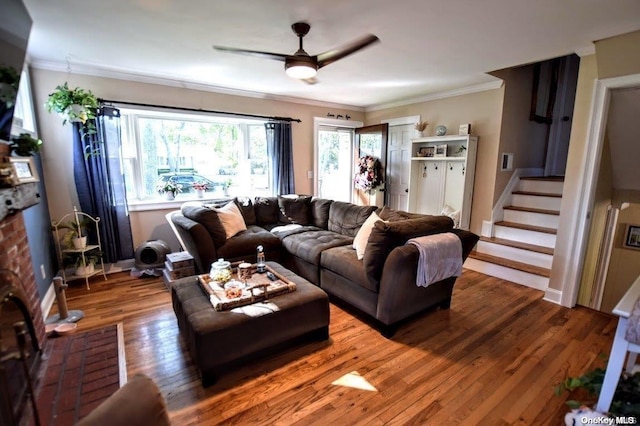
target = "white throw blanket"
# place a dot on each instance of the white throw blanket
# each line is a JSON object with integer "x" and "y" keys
{"x": 440, "y": 257}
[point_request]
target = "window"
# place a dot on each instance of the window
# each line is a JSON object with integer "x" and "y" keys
{"x": 228, "y": 154}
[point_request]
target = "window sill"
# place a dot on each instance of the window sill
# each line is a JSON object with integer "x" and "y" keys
{"x": 162, "y": 204}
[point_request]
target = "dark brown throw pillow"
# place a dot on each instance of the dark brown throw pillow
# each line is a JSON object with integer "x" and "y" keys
{"x": 294, "y": 210}
{"x": 266, "y": 210}
{"x": 246, "y": 208}
{"x": 385, "y": 237}
{"x": 320, "y": 212}
{"x": 209, "y": 219}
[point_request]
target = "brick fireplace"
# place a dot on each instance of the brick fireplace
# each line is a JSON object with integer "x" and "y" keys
{"x": 17, "y": 258}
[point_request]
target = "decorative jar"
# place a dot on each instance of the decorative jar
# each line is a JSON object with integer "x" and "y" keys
{"x": 220, "y": 271}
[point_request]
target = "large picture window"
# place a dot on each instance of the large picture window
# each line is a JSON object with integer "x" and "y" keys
{"x": 229, "y": 155}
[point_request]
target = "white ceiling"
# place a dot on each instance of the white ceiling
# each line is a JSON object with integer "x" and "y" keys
{"x": 427, "y": 47}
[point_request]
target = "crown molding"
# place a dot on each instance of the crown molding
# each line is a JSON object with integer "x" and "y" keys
{"x": 104, "y": 72}
{"x": 492, "y": 85}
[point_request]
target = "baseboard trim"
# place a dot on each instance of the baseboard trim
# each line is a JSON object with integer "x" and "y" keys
{"x": 554, "y": 296}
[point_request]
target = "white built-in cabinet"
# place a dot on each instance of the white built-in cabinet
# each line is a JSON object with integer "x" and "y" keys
{"x": 444, "y": 177}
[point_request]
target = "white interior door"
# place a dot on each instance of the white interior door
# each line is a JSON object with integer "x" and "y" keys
{"x": 398, "y": 166}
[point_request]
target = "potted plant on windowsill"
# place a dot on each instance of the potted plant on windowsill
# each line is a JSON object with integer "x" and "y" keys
{"x": 169, "y": 189}
{"x": 200, "y": 188}
{"x": 74, "y": 105}
{"x": 225, "y": 187}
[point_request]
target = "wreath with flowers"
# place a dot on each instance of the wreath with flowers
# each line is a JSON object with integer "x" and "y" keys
{"x": 369, "y": 173}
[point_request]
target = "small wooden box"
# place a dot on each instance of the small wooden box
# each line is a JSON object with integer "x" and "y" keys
{"x": 177, "y": 273}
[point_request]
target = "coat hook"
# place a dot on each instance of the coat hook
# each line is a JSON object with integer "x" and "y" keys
{"x": 450, "y": 167}
{"x": 436, "y": 166}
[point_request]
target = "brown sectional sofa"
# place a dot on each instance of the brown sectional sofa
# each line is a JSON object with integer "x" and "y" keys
{"x": 382, "y": 285}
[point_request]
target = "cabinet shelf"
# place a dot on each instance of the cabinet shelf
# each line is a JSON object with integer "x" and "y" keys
{"x": 439, "y": 158}
{"x": 72, "y": 276}
{"x": 89, "y": 247}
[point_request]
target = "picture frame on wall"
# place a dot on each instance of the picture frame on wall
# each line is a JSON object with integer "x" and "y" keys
{"x": 632, "y": 237}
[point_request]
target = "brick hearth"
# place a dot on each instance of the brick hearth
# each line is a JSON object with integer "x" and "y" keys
{"x": 17, "y": 258}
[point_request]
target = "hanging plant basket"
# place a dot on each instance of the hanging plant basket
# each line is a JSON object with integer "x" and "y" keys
{"x": 74, "y": 105}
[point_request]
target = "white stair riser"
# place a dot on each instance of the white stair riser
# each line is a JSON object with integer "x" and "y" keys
{"x": 536, "y": 202}
{"x": 531, "y": 218}
{"x": 550, "y": 187}
{"x": 525, "y": 236}
{"x": 520, "y": 255}
{"x": 519, "y": 277}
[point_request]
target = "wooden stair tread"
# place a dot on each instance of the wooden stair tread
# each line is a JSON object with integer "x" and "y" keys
{"x": 527, "y": 227}
{"x": 537, "y": 194}
{"x": 513, "y": 264}
{"x": 518, "y": 244}
{"x": 544, "y": 178}
{"x": 533, "y": 210}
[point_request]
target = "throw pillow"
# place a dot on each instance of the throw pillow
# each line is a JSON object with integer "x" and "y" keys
{"x": 447, "y": 210}
{"x": 209, "y": 219}
{"x": 347, "y": 218}
{"x": 266, "y": 209}
{"x": 246, "y": 208}
{"x": 362, "y": 237}
{"x": 231, "y": 219}
{"x": 294, "y": 210}
{"x": 392, "y": 215}
{"x": 320, "y": 212}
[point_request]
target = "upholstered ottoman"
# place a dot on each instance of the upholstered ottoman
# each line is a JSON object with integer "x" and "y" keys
{"x": 219, "y": 340}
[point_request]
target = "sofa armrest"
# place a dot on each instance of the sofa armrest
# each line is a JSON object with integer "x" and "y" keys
{"x": 399, "y": 297}
{"x": 197, "y": 242}
{"x": 139, "y": 402}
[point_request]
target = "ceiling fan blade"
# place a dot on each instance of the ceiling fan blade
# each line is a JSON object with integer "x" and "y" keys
{"x": 331, "y": 56}
{"x": 267, "y": 55}
{"x": 311, "y": 81}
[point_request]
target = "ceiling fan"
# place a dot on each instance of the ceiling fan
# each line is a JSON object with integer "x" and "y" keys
{"x": 301, "y": 65}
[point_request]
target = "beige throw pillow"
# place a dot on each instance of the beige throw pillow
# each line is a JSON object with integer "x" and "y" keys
{"x": 231, "y": 219}
{"x": 362, "y": 237}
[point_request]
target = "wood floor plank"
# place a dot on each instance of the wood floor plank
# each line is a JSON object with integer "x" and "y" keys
{"x": 492, "y": 358}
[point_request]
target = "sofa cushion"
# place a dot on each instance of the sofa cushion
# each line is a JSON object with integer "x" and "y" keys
{"x": 344, "y": 262}
{"x": 243, "y": 245}
{"x": 246, "y": 208}
{"x": 309, "y": 245}
{"x": 231, "y": 219}
{"x": 209, "y": 219}
{"x": 320, "y": 212}
{"x": 392, "y": 215}
{"x": 387, "y": 236}
{"x": 294, "y": 210}
{"x": 346, "y": 218}
{"x": 266, "y": 210}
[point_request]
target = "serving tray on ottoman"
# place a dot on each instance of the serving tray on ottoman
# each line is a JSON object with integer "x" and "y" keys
{"x": 221, "y": 340}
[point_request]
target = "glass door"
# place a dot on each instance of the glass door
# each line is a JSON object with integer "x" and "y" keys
{"x": 335, "y": 163}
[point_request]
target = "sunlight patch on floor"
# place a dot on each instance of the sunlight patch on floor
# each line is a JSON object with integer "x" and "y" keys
{"x": 355, "y": 380}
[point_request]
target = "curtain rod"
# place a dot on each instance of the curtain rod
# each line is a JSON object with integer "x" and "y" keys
{"x": 238, "y": 114}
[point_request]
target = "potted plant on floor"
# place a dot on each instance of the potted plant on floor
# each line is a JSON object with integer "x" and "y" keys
{"x": 169, "y": 189}
{"x": 74, "y": 105}
{"x": 585, "y": 390}
{"x": 76, "y": 235}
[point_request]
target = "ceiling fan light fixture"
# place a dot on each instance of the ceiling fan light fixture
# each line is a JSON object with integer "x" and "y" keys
{"x": 300, "y": 68}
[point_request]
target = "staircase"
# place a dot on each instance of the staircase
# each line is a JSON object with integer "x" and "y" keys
{"x": 521, "y": 248}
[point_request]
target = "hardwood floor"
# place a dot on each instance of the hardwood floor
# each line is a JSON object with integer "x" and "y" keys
{"x": 492, "y": 359}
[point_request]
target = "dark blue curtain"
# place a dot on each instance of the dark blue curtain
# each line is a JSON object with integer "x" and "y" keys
{"x": 280, "y": 153}
{"x": 99, "y": 180}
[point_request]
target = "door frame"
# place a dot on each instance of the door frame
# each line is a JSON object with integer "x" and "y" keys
{"x": 577, "y": 237}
